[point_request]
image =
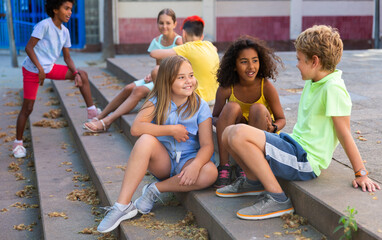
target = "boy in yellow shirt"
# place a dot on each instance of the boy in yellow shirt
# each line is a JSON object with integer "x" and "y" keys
{"x": 202, "y": 55}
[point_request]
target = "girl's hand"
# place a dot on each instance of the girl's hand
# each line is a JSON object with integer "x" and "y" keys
{"x": 366, "y": 184}
{"x": 189, "y": 175}
{"x": 148, "y": 78}
{"x": 270, "y": 127}
{"x": 78, "y": 80}
{"x": 41, "y": 77}
{"x": 180, "y": 133}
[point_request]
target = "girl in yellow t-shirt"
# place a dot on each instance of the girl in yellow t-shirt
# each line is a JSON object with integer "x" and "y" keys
{"x": 245, "y": 94}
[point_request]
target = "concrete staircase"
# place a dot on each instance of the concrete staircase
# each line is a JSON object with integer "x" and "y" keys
{"x": 321, "y": 201}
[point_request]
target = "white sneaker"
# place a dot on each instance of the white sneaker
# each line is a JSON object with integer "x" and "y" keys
{"x": 19, "y": 151}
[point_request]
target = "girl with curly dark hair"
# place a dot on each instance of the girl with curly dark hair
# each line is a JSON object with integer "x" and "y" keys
{"x": 245, "y": 94}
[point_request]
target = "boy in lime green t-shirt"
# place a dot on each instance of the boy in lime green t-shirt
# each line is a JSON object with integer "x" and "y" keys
{"x": 202, "y": 55}
{"x": 323, "y": 122}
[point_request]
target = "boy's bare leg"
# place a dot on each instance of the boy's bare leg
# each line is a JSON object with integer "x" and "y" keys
{"x": 230, "y": 114}
{"x": 117, "y": 101}
{"x": 248, "y": 144}
{"x": 85, "y": 88}
{"x": 25, "y": 111}
{"x": 147, "y": 151}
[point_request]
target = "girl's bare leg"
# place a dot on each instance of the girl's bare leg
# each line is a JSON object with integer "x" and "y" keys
{"x": 137, "y": 94}
{"x": 230, "y": 114}
{"x": 147, "y": 152}
{"x": 207, "y": 176}
{"x": 258, "y": 115}
{"x": 117, "y": 101}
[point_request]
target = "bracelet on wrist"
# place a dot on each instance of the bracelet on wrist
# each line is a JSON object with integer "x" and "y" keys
{"x": 75, "y": 73}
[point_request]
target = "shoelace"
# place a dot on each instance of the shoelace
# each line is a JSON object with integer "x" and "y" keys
{"x": 18, "y": 148}
{"x": 107, "y": 209}
{"x": 223, "y": 174}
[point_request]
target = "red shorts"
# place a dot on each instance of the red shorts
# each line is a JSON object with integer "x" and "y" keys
{"x": 31, "y": 80}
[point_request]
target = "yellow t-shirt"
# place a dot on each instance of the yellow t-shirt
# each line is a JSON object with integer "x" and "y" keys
{"x": 205, "y": 63}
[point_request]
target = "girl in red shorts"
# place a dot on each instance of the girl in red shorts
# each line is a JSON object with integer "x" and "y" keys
{"x": 48, "y": 39}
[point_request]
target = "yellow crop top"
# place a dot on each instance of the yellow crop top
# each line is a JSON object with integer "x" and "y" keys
{"x": 246, "y": 106}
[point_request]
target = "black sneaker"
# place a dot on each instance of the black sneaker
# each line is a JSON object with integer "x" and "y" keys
{"x": 224, "y": 176}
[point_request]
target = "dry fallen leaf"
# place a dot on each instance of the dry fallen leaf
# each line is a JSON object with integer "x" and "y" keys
{"x": 13, "y": 167}
{"x": 58, "y": 214}
{"x": 361, "y": 138}
{"x": 4, "y": 210}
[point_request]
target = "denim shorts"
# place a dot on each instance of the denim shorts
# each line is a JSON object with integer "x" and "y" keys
{"x": 176, "y": 168}
{"x": 287, "y": 159}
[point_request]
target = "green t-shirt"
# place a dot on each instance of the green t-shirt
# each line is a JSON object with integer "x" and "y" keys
{"x": 314, "y": 129}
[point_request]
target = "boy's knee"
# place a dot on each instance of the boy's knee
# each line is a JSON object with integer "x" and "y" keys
{"x": 236, "y": 134}
{"x": 84, "y": 75}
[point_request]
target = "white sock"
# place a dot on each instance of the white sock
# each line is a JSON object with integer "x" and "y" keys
{"x": 156, "y": 189}
{"x": 92, "y": 107}
{"x": 122, "y": 207}
{"x": 18, "y": 141}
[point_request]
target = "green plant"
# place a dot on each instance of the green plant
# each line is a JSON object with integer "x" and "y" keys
{"x": 348, "y": 222}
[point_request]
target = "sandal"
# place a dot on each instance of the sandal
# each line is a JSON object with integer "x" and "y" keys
{"x": 95, "y": 119}
{"x": 97, "y": 130}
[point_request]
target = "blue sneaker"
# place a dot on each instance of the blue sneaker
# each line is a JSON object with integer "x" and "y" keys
{"x": 114, "y": 217}
{"x": 150, "y": 195}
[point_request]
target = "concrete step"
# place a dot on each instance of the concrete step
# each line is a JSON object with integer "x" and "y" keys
{"x": 17, "y": 177}
{"x": 315, "y": 200}
{"x": 58, "y": 167}
{"x": 105, "y": 156}
{"x": 216, "y": 214}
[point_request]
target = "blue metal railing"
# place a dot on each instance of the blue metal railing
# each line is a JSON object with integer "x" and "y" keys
{"x": 27, "y": 13}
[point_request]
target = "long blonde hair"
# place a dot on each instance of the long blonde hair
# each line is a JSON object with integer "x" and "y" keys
{"x": 167, "y": 73}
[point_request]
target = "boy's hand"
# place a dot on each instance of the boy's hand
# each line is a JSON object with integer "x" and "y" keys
{"x": 78, "y": 80}
{"x": 366, "y": 184}
{"x": 180, "y": 133}
{"x": 148, "y": 78}
{"x": 41, "y": 77}
{"x": 189, "y": 175}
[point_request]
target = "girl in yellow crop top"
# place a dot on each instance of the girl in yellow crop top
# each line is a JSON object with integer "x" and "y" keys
{"x": 245, "y": 94}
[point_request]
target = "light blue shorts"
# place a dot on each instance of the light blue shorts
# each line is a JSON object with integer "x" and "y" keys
{"x": 142, "y": 82}
{"x": 287, "y": 159}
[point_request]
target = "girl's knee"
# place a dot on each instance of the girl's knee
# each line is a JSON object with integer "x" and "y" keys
{"x": 147, "y": 139}
{"x": 232, "y": 108}
{"x": 129, "y": 88}
{"x": 258, "y": 109}
{"x": 208, "y": 175}
{"x": 140, "y": 92}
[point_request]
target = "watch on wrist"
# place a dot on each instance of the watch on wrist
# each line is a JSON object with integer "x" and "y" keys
{"x": 275, "y": 127}
{"x": 362, "y": 172}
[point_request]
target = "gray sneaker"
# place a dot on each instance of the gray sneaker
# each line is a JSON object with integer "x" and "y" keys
{"x": 240, "y": 187}
{"x": 264, "y": 208}
{"x": 150, "y": 195}
{"x": 114, "y": 217}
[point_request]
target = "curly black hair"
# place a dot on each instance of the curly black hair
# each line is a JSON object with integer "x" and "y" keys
{"x": 50, "y": 5}
{"x": 226, "y": 74}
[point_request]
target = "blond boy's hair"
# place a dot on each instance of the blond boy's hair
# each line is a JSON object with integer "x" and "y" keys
{"x": 324, "y": 42}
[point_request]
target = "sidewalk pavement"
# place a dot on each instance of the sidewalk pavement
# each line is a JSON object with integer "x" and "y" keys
{"x": 362, "y": 73}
